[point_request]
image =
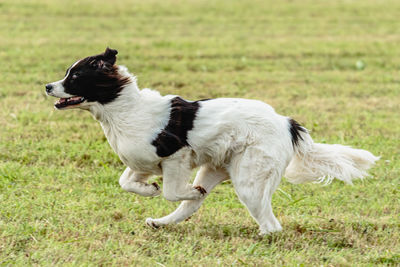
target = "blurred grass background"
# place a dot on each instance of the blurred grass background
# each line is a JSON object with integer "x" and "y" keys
{"x": 331, "y": 65}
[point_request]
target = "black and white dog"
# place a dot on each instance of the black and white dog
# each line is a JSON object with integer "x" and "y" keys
{"x": 238, "y": 139}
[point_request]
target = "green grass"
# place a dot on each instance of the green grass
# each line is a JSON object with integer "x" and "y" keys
{"x": 60, "y": 202}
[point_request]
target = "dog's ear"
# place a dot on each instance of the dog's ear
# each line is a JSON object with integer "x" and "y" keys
{"x": 110, "y": 55}
{"x": 104, "y": 60}
{"x": 98, "y": 64}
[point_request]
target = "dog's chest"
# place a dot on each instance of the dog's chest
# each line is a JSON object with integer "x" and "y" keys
{"x": 133, "y": 150}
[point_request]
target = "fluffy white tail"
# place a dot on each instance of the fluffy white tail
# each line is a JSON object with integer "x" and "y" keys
{"x": 315, "y": 162}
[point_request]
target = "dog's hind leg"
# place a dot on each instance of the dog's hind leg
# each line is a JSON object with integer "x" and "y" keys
{"x": 207, "y": 178}
{"x": 135, "y": 182}
{"x": 255, "y": 177}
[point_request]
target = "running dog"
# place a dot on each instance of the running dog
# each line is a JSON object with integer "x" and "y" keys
{"x": 243, "y": 140}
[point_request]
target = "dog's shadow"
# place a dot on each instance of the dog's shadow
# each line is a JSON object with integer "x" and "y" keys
{"x": 219, "y": 231}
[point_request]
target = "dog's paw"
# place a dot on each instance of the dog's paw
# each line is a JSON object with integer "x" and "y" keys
{"x": 200, "y": 189}
{"x": 270, "y": 230}
{"x": 156, "y": 186}
{"x": 150, "y": 222}
{"x": 152, "y": 190}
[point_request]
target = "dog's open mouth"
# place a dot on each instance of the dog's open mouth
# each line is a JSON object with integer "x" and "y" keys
{"x": 69, "y": 102}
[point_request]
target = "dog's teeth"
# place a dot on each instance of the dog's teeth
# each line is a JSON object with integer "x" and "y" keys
{"x": 70, "y": 101}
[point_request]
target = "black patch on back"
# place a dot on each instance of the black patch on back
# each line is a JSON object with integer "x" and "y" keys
{"x": 295, "y": 129}
{"x": 96, "y": 78}
{"x": 174, "y": 136}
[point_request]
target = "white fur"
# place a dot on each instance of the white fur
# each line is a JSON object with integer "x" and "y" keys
{"x": 244, "y": 140}
{"x": 323, "y": 162}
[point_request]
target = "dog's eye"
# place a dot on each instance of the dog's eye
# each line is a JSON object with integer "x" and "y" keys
{"x": 75, "y": 75}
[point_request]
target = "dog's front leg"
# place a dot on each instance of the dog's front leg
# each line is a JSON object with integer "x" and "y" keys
{"x": 206, "y": 177}
{"x": 135, "y": 182}
{"x": 176, "y": 175}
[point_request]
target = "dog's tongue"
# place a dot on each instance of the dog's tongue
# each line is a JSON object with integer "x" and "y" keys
{"x": 61, "y": 100}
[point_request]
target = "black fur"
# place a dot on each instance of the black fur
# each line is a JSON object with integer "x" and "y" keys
{"x": 174, "y": 136}
{"x": 295, "y": 129}
{"x": 96, "y": 78}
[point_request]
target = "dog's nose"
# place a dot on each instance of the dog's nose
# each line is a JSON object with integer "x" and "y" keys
{"x": 49, "y": 87}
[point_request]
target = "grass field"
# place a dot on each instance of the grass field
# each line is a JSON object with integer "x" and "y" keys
{"x": 60, "y": 201}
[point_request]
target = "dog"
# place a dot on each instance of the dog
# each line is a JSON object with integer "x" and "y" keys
{"x": 243, "y": 140}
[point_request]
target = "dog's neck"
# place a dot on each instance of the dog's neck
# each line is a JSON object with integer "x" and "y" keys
{"x": 134, "y": 112}
{"x": 120, "y": 107}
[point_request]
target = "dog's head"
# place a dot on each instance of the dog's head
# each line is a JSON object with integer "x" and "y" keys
{"x": 94, "y": 79}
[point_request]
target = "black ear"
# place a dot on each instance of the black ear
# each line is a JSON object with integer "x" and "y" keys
{"x": 97, "y": 64}
{"x": 110, "y": 55}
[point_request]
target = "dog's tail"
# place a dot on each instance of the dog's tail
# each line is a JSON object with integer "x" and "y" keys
{"x": 313, "y": 162}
